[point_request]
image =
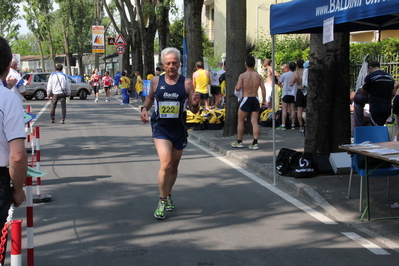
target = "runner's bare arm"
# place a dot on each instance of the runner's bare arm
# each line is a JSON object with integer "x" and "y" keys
{"x": 293, "y": 79}
{"x": 239, "y": 83}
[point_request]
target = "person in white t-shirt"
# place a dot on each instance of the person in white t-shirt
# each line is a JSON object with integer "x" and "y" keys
{"x": 13, "y": 158}
{"x": 215, "y": 85}
{"x": 14, "y": 77}
{"x": 288, "y": 96}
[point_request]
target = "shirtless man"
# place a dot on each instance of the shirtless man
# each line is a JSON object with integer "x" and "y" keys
{"x": 269, "y": 81}
{"x": 300, "y": 100}
{"x": 249, "y": 82}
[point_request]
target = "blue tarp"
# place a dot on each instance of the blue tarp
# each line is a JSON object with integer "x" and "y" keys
{"x": 307, "y": 16}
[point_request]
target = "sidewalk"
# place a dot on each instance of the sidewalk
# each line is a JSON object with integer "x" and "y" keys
{"x": 328, "y": 192}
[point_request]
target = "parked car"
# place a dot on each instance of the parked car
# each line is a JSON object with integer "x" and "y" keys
{"x": 36, "y": 86}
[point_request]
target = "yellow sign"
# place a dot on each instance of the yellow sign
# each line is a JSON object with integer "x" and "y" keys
{"x": 98, "y": 42}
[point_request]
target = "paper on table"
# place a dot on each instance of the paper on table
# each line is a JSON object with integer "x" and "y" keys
{"x": 394, "y": 158}
{"x": 383, "y": 151}
{"x": 362, "y": 147}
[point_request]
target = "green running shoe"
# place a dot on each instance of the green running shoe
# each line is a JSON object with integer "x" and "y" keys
{"x": 169, "y": 204}
{"x": 160, "y": 211}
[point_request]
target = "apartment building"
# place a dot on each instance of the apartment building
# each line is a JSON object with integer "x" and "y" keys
{"x": 258, "y": 23}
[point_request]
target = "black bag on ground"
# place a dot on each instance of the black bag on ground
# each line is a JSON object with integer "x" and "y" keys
{"x": 302, "y": 165}
{"x": 293, "y": 163}
{"x": 283, "y": 161}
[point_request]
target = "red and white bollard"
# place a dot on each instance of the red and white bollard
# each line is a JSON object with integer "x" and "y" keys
{"x": 32, "y": 146}
{"x": 38, "y": 197}
{"x": 16, "y": 243}
{"x": 29, "y": 221}
{"x": 38, "y": 179}
{"x": 28, "y": 129}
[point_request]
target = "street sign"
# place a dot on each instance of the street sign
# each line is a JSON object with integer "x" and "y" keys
{"x": 120, "y": 40}
{"x": 111, "y": 40}
{"x": 120, "y": 49}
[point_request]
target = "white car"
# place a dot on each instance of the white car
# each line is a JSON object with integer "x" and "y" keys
{"x": 36, "y": 86}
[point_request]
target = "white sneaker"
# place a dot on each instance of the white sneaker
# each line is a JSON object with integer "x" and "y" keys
{"x": 96, "y": 100}
{"x": 253, "y": 146}
{"x": 237, "y": 144}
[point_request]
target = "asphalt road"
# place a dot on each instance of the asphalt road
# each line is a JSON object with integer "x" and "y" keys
{"x": 102, "y": 173}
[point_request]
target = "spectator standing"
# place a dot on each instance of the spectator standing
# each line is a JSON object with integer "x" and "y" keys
{"x": 379, "y": 85}
{"x": 360, "y": 101}
{"x": 201, "y": 80}
{"x": 249, "y": 83}
{"x": 139, "y": 86}
{"x": 222, "y": 81}
{"x": 300, "y": 100}
{"x": 107, "y": 83}
{"x": 58, "y": 88}
{"x": 168, "y": 124}
{"x": 269, "y": 81}
{"x": 13, "y": 158}
{"x": 124, "y": 85}
{"x": 18, "y": 88}
{"x": 215, "y": 84}
{"x": 117, "y": 78}
{"x": 288, "y": 96}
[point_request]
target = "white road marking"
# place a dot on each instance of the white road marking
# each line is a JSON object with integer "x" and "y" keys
{"x": 41, "y": 112}
{"x": 322, "y": 218}
{"x": 366, "y": 243}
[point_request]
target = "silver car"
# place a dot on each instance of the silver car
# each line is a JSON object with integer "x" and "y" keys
{"x": 36, "y": 86}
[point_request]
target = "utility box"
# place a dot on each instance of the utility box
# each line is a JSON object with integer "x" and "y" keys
{"x": 340, "y": 162}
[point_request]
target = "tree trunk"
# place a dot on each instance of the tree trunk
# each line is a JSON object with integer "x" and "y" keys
{"x": 147, "y": 39}
{"x": 192, "y": 30}
{"x": 328, "y": 115}
{"x": 66, "y": 48}
{"x": 236, "y": 14}
{"x": 39, "y": 45}
{"x": 163, "y": 25}
{"x": 137, "y": 52}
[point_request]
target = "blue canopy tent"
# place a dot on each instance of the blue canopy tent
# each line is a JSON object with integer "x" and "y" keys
{"x": 304, "y": 16}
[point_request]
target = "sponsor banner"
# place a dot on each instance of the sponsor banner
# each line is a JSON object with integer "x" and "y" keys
{"x": 98, "y": 42}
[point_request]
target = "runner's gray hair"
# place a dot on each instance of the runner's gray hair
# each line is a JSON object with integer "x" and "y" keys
{"x": 170, "y": 50}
